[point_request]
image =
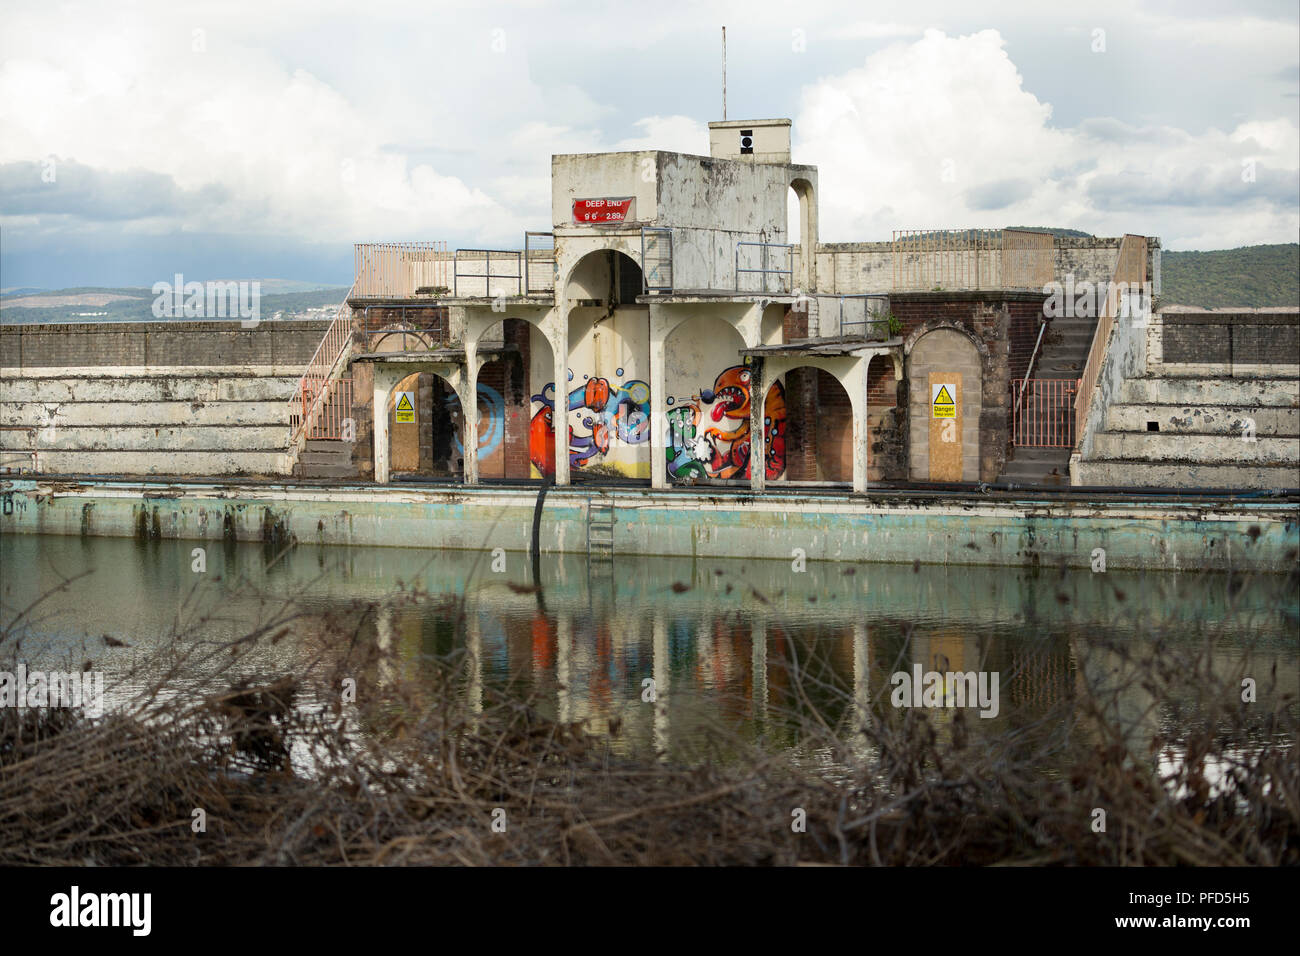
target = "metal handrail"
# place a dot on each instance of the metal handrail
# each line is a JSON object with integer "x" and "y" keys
{"x": 765, "y": 272}
{"x": 1029, "y": 370}
{"x": 646, "y": 273}
{"x": 322, "y": 368}
{"x": 865, "y": 322}
{"x": 529, "y": 250}
{"x": 487, "y": 276}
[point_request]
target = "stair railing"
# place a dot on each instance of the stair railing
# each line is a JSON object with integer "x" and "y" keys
{"x": 317, "y": 381}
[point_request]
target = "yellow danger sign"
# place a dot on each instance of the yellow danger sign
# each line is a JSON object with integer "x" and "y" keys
{"x": 942, "y": 401}
{"x": 405, "y": 408}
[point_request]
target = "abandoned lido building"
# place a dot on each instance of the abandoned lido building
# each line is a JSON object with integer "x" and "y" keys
{"x": 672, "y": 327}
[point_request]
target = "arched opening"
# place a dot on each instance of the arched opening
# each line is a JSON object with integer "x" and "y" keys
{"x": 424, "y": 428}
{"x": 801, "y": 230}
{"x": 606, "y": 398}
{"x": 886, "y": 423}
{"x": 708, "y": 402}
{"x": 816, "y": 440}
{"x": 944, "y": 382}
{"x": 505, "y": 390}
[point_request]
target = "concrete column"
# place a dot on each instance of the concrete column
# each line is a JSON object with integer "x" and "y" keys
{"x": 383, "y": 383}
{"x": 758, "y": 637}
{"x": 469, "y": 414}
{"x": 750, "y": 324}
{"x": 861, "y": 426}
{"x": 560, "y": 413}
{"x": 659, "y": 437}
{"x": 757, "y": 439}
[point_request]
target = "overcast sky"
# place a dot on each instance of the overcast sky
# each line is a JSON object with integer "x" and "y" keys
{"x": 261, "y": 139}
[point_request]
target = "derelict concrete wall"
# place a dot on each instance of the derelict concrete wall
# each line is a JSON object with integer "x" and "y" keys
{"x": 77, "y": 344}
{"x": 848, "y": 268}
{"x": 145, "y": 398}
{"x": 1197, "y": 399}
{"x": 974, "y": 530}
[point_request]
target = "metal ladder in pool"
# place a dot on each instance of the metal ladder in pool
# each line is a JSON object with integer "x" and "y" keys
{"x": 600, "y": 531}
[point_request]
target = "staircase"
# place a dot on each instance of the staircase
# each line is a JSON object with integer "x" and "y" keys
{"x": 1060, "y": 362}
{"x": 322, "y": 429}
{"x": 326, "y": 458}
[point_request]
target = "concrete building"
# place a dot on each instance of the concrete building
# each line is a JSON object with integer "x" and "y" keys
{"x": 673, "y": 324}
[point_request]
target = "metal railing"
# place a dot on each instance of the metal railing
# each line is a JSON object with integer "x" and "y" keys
{"x": 325, "y": 367}
{"x": 400, "y": 269}
{"x": 394, "y": 330}
{"x": 1130, "y": 268}
{"x": 335, "y": 409}
{"x": 657, "y": 258}
{"x": 855, "y": 315}
{"x": 466, "y": 259}
{"x": 1028, "y": 259}
{"x": 765, "y": 269}
{"x": 539, "y": 263}
{"x": 1029, "y": 369}
{"x": 972, "y": 259}
{"x": 1043, "y": 415}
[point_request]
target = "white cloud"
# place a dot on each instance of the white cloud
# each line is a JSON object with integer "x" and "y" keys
{"x": 941, "y": 132}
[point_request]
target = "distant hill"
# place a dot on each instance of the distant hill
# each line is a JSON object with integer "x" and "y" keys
{"x": 98, "y": 304}
{"x": 1063, "y": 233}
{"x": 1252, "y": 277}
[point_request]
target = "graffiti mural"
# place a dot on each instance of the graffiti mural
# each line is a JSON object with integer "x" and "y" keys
{"x": 605, "y": 412}
{"x": 723, "y": 452}
{"x": 491, "y": 420}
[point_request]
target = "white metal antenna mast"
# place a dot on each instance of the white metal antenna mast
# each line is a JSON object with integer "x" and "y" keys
{"x": 724, "y": 74}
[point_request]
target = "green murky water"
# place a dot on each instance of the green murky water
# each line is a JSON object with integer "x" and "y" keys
{"x": 733, "y": 647}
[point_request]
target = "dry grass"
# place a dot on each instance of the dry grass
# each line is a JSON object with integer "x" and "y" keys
{"x": 411, "y": 774}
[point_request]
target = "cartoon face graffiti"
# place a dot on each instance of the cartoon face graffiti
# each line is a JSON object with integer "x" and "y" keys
{"x": 621, "y": 411}
{"x": 724, "y": 452}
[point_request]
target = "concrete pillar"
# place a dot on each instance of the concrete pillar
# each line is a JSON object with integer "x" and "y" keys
{"x": 750, "y": 324}
{"x": 560, "y": 414}
{"x": 383, "y": 383}
{"x": 469, "y": 414}
{"x": 757, "y": 438}
{"x": 758, "y": 637}
{"x": 861, "y": 426}
{"x": 659, "y": 437}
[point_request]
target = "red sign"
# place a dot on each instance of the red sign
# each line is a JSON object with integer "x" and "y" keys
{"x": 601, "y": 210}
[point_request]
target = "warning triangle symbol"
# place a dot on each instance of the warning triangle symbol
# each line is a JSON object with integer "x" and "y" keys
{"x": 405, "y": 403}
{"x": 943, "y": 398}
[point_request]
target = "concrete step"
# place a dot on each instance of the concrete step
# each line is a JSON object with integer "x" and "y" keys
{"x": 1226, "y": 392}
{"x": 1195, "y": 449}
{"x": 325, "y": 471}
{"x": 324, "y": 461}
{"x": 1154, "y": 474}
{"x": 328, "y": 444}
{"x": 1203, "y": 420}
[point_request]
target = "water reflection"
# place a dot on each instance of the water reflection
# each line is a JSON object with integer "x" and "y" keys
{"x": 665, "y": 656}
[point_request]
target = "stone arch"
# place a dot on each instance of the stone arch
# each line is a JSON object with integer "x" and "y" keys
{"x": 940, "y": 449}
{"x": 805, "y": 240}
{"x": 815, "y": 441}
{"x": 604, "y": 398}
{"x": 707, "y": 398}
{"x": 432, "y": 444}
